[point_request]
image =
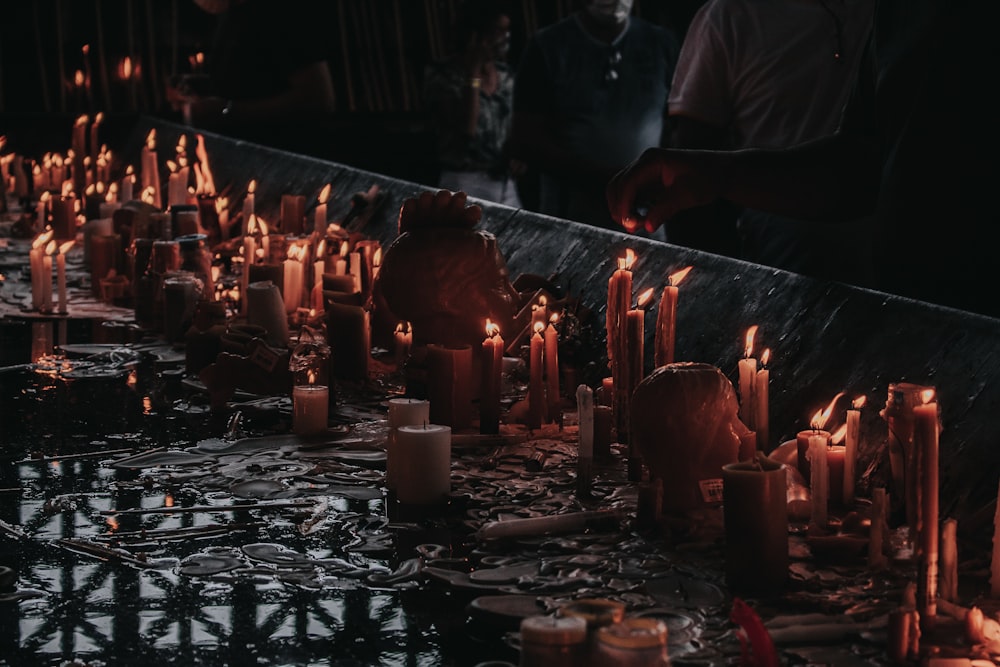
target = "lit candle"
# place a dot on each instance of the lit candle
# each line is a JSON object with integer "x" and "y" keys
{"x": 761, "y": 397}
{"x": 817, "y": 426}
{"x": 619, "y": 300}
{"x": 666, "y": 318}
{"x": 249, "y": 209}
{"x": 176, "y": 185}
{"x": 635, "y": 354}
{"x": 423, "y": 476}
{"x": 819, "y": 479}
{"x": 61, "y": 274}
{"x": 319, "y": 268}
{"x": 536, "y": 387}
{"x": 42, "y": 211}
{"x": 319, "y": 222}
{"x": 551, "y": 354}
{"x": 47, "y": 277}
{"x": 585, "y": 452}
{"x": 747, "y": 372}
{"x": 403, "y": 341}
{"x": 293, "y": 278}
{"x": 35, "y": 258}
{"x": 926, "y": 429}
{"x": 310, "y": 408}
{"x": 449, "y": 384}
{"x": 851, "y": 447}
{"x": 128, "y": 184}
{"x": 489, "y": 394}
{"x": 151, "y": 169}
{"x": 402, "y": 412}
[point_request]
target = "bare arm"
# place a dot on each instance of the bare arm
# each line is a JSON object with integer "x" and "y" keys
{"x": 828, "y": 179}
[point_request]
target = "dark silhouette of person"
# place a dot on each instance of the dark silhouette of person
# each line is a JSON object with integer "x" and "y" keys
{"x": 916, "y": 147}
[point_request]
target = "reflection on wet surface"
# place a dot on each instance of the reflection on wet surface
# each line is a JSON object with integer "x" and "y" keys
{"x": 143, "y": 526}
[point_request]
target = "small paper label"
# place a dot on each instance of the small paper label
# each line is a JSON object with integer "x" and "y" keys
{"x": 711, "y": 490}
{"x": 265, "y": 357}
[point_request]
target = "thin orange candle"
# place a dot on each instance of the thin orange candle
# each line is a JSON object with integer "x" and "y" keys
{"x": 490, "y": 391}
{"x": 666, "y": 317}
{"x": 536, "y": 387}
{"x": 552, "y": 370}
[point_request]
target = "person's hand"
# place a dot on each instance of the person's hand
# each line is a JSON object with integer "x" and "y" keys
{"x": 660, "y": 183}
{"x": 438, "y": 209}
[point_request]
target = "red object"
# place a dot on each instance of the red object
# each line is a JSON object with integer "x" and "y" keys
{"x": 761, "y": 651}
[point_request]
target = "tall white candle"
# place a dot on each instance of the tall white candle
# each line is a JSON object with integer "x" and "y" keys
{"x": 819, "y": 479}
{"x": 761, "y": 403}
{"x": 402, "y": 412}
{"x": 851, "y": 441}
{"x": 551, "y": 354}
{"x": 423, "y": 476}
{"x": 61, "y": 275}
{"x": 319, "y": 222}
{"x": 249, "y": 209}
{"x": 666, "y": 320}
{"x": 536, "y": 385}
{"x": 492, "y": 380}
{"x": 747, "y": 372}
{"x": 925, "y": 440}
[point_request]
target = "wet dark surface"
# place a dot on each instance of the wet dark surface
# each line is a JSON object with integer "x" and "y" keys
{"x": 338, "y": 573}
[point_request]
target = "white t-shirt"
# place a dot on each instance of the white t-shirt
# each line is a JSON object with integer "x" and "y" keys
{"x": 767, "y": 70}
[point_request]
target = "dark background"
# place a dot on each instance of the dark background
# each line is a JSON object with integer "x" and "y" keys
{"x": 377, "y": 50}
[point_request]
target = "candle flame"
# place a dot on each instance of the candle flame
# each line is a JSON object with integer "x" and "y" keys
{"x": 859, "y": 402}
{"x": 676, "y": 277}
{"x": 765, "y": 357}
{"x": 151, "y": 140}
{"x": 345, "y": 249}
{"x": 149, "y": 195}
{"x": 492, "y": 328}
{"x": 42, "y": 239}
{"x": 78, "y": 78}
{"x": 644, "y": 298}
{"x": 98, "y": 118}
{"x": 554, "y": 318}
{"x": 377, "y": 257}
{"x": 50, "y": 249}
{"x": 822, "y": 417}
{"x": 296, "y": 252}
{"x": 748, "y": 348}
{"x": 927, "y": 395}
{"x": 312, "y": 377}
{"x": 130, "y": 172}
{"x": 64, "y": 248}
{"x": 46, "y": 196}
{"x": 321, "y": 248}
{"x": 324, "y": 194}
{"x": 80, "y": 120}
{"x": 112, "y": 524}
{"x": 838, "y": 435}
{"x": 252, "y": 186}
{"x": 539, "y": 327}
{"x": 171, "y": 166}
{"x": 205, "y": 179}
{"x": 261, "y": 225}
{"x": 627, "y": 261}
